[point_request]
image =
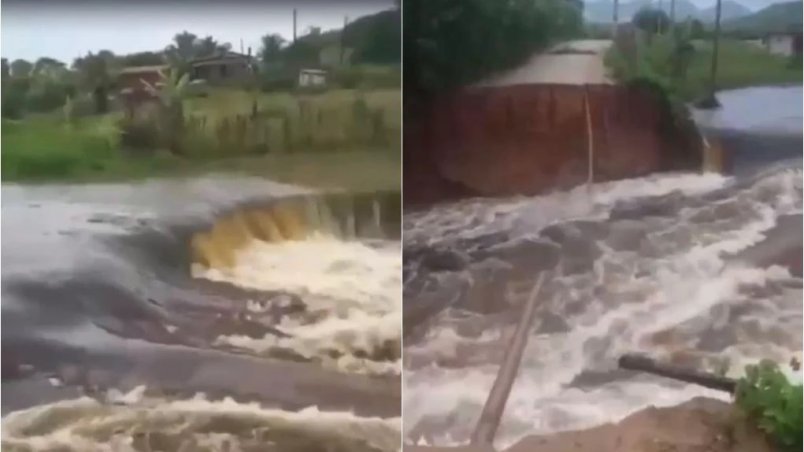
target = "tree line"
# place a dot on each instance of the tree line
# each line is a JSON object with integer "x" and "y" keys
{"x": 450, "y": 43}
{"x": 46, "y": 83}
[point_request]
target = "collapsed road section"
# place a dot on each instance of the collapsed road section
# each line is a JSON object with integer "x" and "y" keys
{"x": 554, "y": 123}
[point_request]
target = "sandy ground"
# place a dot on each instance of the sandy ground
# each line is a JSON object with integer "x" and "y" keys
{"x": 700, "y": 425}
{"x": 571, "y": 63}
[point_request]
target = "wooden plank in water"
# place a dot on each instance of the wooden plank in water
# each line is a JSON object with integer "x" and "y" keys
{"x": 498, "y": 396}
{"x": 645, "y": 364}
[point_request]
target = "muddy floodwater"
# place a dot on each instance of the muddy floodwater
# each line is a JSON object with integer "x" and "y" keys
{"x": 689, "y": 268}
{"x": 201, "y": 314}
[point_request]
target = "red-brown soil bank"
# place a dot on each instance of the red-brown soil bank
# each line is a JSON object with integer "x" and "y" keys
{"x": 528, "y": 139}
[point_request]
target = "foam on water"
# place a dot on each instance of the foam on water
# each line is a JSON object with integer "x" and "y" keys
{"x": 470, "y": 218}
{"x": 135, "y": 422}
{"x": 353, "y": 308}
{"x": 659, "y": 284}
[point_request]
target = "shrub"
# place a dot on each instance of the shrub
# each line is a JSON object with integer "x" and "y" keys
{"x": 767, "y": 397}
{"x": 46, "y": 95}
{"x": 13, "y": 104}
{"x": 137, "y": 133}
{"x": 448, "y": 44}
{"x": 367, "y": 77}
{"x": 276, "y": 79}
{"x": 37, "y": 150}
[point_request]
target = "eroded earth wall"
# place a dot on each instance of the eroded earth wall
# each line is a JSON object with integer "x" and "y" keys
{"x": 529, "y": 139}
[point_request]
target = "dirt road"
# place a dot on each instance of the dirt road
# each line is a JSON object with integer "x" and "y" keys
{"x": 577, "y": 62}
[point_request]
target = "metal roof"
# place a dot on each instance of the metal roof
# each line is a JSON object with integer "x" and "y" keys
{"x": 224, "y": 56}
{"x": 143, "y": 69}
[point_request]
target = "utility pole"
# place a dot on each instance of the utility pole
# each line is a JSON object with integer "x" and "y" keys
{"x": 672, "y": 12}
{"x": 294, "y": 25}
{"x": 661, "y": 9}
{"x": 343, "y": 40}
{"x": 711, "y": 101}
{"x": 616, "y": 20}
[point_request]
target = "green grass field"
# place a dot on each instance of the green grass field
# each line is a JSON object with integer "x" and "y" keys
{"x": 334, "y": 120}
{"x": 44, "y": 148}
{"x": 740, "y": 64}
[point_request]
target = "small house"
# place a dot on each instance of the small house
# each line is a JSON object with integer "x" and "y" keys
{"x": 132, "y": 79}
{"x": 221, "y": 69}
{"x": 131, "y": 82}
{"x": 784, "y": 44}
{"x": 312, "y": 77}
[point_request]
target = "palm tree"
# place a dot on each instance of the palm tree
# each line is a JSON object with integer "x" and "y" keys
{"x": 171, "y": 92}
{"x": 209, "y": 47}
{"x": 206, "y": 47}
{"x": 183, "y": 49}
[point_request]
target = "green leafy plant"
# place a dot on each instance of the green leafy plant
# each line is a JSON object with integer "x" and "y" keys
{"x": 171, "y": 91}
{"x": 773, "y": 402}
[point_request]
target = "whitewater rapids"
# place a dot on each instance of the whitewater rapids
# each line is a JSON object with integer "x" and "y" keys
{"x": 642, "y": 265}
{"x": 206, "y": 314}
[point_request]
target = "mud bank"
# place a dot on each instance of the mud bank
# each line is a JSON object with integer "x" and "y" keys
{"x": 697, "y": 425}
{"x": 530, "y": 139}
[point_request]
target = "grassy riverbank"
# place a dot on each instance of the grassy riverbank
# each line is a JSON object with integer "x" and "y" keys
{"x": 740, "y": 64}
{"x": 344, "y": 138}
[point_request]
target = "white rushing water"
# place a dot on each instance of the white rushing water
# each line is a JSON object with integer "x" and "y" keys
{"x": 350, "y": 290}
{"x": 351, "y": 322}
{"x": 135, "y": 422}
{"x": 330, "y": 298}
{"x": 653, "y": 281}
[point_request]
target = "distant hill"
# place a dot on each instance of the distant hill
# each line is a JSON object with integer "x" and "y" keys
{"x": 372, "y": 39}
{"x": 376, "y": 38}
{"x": 600, "y": 11}
{"x": 729, "y": 10}
{"x": 776, "y": 17}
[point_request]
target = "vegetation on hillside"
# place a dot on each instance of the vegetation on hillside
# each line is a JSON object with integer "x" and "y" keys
{"x": 778, "y": 17}
{"x": 375, "y": 39}
{"x": 600, "y": 11}
{"x": 681, "y": 65}
{"x": 451, "y": 43}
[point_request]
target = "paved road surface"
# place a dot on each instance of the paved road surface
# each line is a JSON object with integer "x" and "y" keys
{"x": 572, "y": 63}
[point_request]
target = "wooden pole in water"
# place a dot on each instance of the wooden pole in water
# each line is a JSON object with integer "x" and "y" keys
{"x": 495, "y": 404}
{"x": 707, "y": 380}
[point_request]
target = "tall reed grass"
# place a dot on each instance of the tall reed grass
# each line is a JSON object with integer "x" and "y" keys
{"x": 230, "y": 124}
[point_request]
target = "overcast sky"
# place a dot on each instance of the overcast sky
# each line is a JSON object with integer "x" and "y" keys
{"x": 66, "y": 29}
{"x": 754, "y": 5}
